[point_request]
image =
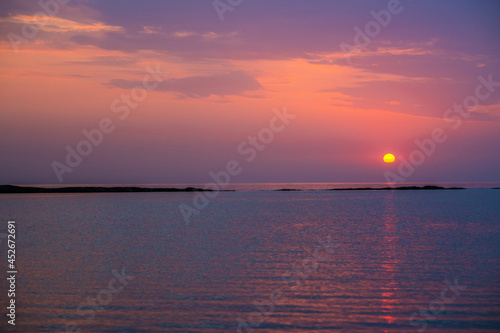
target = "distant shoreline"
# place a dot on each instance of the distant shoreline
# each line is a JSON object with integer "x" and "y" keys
{"x": 6, "y": 189}
{"x": 401, "y": 188}
{"x": 94, "y": 189}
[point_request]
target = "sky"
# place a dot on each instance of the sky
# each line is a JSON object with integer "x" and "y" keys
{"x": 158, "y": 92}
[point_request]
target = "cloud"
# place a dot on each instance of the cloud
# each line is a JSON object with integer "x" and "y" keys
{"x": 79, "y": 76}
{"x": 57, "y": 24}
{"x": 478, "y": 116}
{"x": 417, "y": 97}
{"x": 414, "y": 60}
{"x": 280, "y": 30}
{"x": 209, "y": 35}
{"x": 342, "y": 58}
{"x": 485, "y": 113}
{"x": 150, "y": 30}
{"x": 234, "y": 83}
{"x": 115, "y": 61}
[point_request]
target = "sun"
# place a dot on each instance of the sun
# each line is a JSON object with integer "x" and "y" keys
{"x": 389, "y": 158}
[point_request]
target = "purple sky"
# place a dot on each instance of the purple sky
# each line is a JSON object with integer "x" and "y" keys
{"x": 220, "y": 81}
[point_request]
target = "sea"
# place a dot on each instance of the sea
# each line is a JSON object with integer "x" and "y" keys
{"x": 253, "y": 260}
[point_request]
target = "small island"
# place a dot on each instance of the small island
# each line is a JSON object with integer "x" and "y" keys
{"x": 94, "y": 189}
{"x": 401, "y": 188}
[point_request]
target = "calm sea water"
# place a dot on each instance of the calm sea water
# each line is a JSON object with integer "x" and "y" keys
{"x": 357, "y": 261}
{"x": 298, "y": 186}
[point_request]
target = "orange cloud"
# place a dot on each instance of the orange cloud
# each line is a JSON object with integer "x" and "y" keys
{"x": 56, "y": 24}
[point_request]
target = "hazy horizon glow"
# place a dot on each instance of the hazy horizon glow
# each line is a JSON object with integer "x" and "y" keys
{"x": 225, "y": 78}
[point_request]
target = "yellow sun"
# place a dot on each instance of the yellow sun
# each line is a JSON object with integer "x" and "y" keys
{"x": 389, "y": 158}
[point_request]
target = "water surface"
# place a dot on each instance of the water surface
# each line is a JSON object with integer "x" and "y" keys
{"x": 390, "y": 256}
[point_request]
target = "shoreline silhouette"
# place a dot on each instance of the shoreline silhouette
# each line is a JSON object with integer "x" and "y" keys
{"x": 4, "y": 189}
{"x": 95, "y": 189}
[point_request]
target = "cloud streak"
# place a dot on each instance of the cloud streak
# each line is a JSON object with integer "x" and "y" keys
{"x": 233, "y": 83}
{"x": 57, "y": 24}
